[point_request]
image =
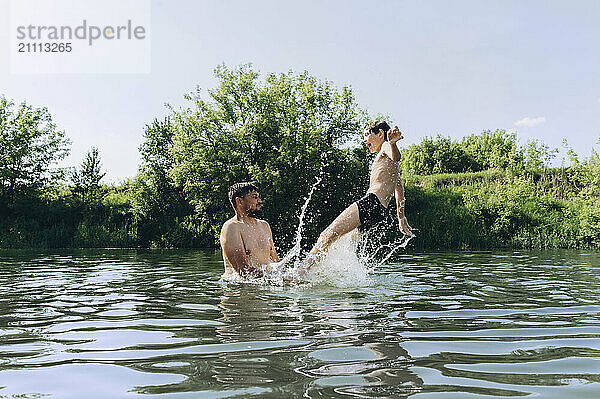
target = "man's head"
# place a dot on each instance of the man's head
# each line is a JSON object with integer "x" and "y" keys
{"x": 375, "y": 133}
{"x": 244, "y": 198}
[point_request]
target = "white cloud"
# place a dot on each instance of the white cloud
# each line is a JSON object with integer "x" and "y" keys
{"x": 530, "y": 122}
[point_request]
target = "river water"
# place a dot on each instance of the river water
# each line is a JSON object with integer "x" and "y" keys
{"x": 137, "y": 324}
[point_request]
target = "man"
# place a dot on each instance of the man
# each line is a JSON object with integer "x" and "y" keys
{"x": 385, "y": 183}
{"x": 247, "y": 242}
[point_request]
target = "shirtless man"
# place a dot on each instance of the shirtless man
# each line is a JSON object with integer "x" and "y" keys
{"x": 247, "y": 242}
{"x": 385, "y": 182}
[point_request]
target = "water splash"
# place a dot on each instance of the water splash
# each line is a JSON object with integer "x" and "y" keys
{"x": 296, "y": 250}
{"x": 342, "y": 266}
{"x": 290, "y": 268}
{"x": 396, "y": 245}
{"x": 348, "y": 262}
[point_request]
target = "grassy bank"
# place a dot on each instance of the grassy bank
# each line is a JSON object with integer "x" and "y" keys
{"x": 498, "y": 209}
{"x": 283, "y": 132}
{"x": 479, "y": 210}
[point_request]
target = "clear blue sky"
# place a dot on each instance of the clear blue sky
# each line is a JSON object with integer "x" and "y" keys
{"x": 447, "y": 67}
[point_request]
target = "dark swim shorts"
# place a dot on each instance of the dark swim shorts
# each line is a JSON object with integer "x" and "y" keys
{"x": 370, "y": 212}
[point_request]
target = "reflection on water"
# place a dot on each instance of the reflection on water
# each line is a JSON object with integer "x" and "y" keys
{"x": 117, "y": 323}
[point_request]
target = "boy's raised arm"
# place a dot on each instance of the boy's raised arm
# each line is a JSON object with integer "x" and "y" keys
{"x": 393, "y": 136}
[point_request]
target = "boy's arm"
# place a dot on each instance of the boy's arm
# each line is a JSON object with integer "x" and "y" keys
{"x": 400, "y": 202}
{"x": 392, "y": 149}
{"x": 233, "y": 248}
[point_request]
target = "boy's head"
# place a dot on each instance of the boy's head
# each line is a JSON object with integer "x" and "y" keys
{"x": 375, "y": 127}
{"x": 375, "y": 133}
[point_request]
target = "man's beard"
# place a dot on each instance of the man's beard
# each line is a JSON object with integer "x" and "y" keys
{"x": 254, "y": 213}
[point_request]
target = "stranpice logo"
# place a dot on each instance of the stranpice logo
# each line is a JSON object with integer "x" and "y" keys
{"x": 74, "y": 36}
{"x": 84, "y": 31}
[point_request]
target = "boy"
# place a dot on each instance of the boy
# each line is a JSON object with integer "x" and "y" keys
{"x": 384, "y": 183}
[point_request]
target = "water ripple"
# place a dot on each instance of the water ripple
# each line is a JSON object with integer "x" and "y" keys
{"x": 429, "y": 324}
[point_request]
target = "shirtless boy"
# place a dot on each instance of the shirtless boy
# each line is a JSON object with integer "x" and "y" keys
{"x": 247, "y": 242}
{"x": 385, "y": 183}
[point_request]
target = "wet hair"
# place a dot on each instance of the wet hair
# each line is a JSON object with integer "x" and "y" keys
{"x": 239, "y": 190}
{"x": 374, "y": 127}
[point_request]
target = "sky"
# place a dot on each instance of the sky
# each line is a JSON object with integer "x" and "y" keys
{"x": 452, "y": 68}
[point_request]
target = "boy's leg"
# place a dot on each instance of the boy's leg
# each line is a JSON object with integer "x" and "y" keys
{"x": 347, "y": 221}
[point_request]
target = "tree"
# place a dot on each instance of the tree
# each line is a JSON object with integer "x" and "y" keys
{"x": 157, "y": 158}
{"x": 437, "y": 155}
{"x": 487, "y": 150}
{"x": 157, "y": 201}
{"x": 87, "y": 178}
{"x": 30, "y": 144}
{"x": 538, "y": 155}
{"x": 494, "y": 149}
{"x": 280, "y": 133}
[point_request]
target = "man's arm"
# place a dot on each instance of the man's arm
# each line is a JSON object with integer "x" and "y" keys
{"x": 233, "y": 248}
{"x": 400, "y": 202}
{"x": 274, "y": 257}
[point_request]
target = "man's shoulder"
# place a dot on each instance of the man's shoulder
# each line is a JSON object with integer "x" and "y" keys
{"x": 264, "y": 223}
{"x": 231, "y": 224}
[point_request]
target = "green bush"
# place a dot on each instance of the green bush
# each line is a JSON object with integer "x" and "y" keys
{"x": 282, "y": 132}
